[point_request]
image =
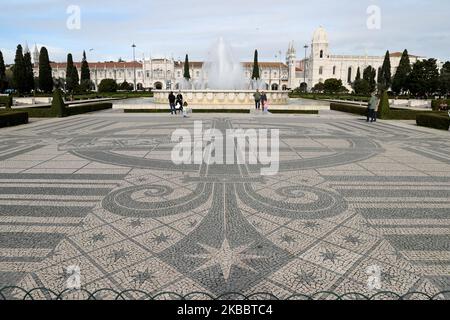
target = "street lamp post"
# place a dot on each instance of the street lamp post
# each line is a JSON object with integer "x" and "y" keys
{"x": 134, "y": 65}
{"x": 304, "y": 65}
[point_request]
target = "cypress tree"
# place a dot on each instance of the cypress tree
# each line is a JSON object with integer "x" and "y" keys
{"x": 187, "y": 72}
{"x": 384, "y": 108}
{"x": 3, "y": 82}
{"x": 400, "y": 80}
{"x": 444, "y": 79}
{"x": 85, "y": 74}
{"x": 19, "y": 80}
{"x": 369, "y": 75}
{"x": 358, "y": 74}
{"x": 255, "y": 74}
{"x": 384, "y": 77}
{"x": 29, "y": 74}
{"x": 45, "y": 72}
{"x": 71, "y": 74}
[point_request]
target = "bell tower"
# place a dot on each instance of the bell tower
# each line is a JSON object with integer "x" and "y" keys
{"x": 291, "y": 57}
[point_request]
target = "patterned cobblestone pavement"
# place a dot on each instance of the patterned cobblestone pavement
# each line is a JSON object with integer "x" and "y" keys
{"x": 100, "y": 192}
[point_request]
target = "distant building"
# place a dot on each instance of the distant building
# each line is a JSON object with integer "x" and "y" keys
{"x": 322, "y": 64}
{"x": 167, "y": 73}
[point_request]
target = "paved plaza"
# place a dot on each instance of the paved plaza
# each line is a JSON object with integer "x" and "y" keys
{"x": 100, "y": 192}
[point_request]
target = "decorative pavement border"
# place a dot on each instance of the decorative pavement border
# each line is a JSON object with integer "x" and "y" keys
{"x": 110, "y": 294}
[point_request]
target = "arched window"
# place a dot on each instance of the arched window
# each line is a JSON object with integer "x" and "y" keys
{"x": 349, "y": 78}
{"x": 321, "y": 70}
{"x": 334, "y": 70}
{"x": 275, "y": 87}
{"x": 321, "y": 53}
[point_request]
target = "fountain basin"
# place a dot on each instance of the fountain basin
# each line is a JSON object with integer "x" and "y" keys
{"x": 222, "y": 97}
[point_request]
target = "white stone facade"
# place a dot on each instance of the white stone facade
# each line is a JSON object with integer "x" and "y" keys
{"x": 322, "y": 64}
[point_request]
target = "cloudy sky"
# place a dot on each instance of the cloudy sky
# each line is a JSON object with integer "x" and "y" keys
{"x": 175, "y": 27}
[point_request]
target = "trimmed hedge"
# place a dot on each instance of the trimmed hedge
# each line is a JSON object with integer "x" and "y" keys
{"x": 222, "y": 111}
{"x": 9, "y": 119}
{"x": 194, "y": 111}
{"x": 294, "y": 111}
{"x": 435, "y": 104}
{"x": 393, "y": 114}
{"x": 86, "y": 108}
{"x": 319, "y": 96}
{"x": 46, "y": 112}
{"x": 433, "y": 120}
{"x": 348, "y": 108}
{"x": 6, "y": 101}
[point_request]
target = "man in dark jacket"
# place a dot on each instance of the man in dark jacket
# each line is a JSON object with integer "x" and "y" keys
{"x": 257, "y": 97}
{"x": 172, "y": 100}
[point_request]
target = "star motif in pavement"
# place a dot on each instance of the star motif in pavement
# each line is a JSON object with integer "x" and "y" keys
{"x": 303, "y": 277}
{"x": 162, "y": 238}
{"x": 136, "y": 223}
{"x": 355, "y": 240}
{"x": 226, "y": 257}
{"x": 98, "y": 237}
{"x": 311, "y": 225}
{"x": 287, "y": 238}
{"x": 142, "y": 277}
{"x": 119, "y": 254}
{"x": 329, "y": 255}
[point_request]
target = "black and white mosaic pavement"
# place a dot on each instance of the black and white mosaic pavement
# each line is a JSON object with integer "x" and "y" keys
{"x": 100, "y": 192}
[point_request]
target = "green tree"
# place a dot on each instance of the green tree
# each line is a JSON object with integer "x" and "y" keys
{"x": 187, "y": 71}
{"x": 58, "y": 108}
{"x": 71, "y": 75}
{"x": 332, "y": 85}
{"x": 400, "y": 80}
{"x": 358, "y": 74}
{"x": 255, "y": 73}
{"x": 85, "y": 79}
{"x": 384, "y": 78}
{"x": 3, "y": 80}
{"x": 424, "y": 78}
{"x": 19, "y": 72}
{"x": 29, "y": 74}
{"x": 45, "y": 72}
{"x": 125, "y": 86}
{"x": 384, "y": 108}
{"x": 369, "y": 75}
{"x": 361, "y": 87}
{"x": 444, "y": 79}
{"x": 107, "y": 85}
{"x": 319, "y": 88}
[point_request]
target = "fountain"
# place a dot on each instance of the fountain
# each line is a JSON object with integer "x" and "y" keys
{"x": 223, "y": 82}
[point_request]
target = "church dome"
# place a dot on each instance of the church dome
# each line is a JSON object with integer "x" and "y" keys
{"x": 320, "y": 36}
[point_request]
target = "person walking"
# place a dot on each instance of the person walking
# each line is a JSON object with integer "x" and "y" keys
{"x": 263, "y": 98}
{"x": 372, "y": 108}
{"x": 172, "y": 104}
{"x": 257, "y": 97}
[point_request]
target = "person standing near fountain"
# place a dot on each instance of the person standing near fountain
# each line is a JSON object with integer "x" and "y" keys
{"x": 172, "y": 104}
{"x": 179, "y": 100}
{"x": 263, "y": 98}
{"x": 257, "y": 97}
